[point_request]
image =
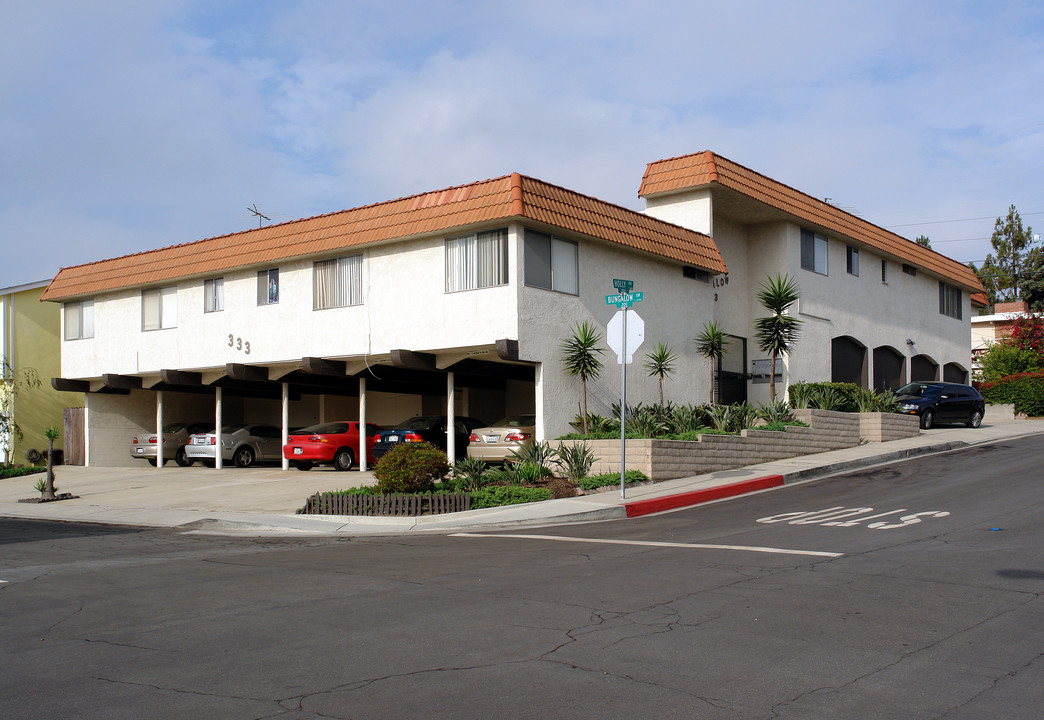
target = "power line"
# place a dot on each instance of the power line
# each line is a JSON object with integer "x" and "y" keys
{"x": 940, "y": 222}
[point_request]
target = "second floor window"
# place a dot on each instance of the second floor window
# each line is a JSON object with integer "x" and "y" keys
{"x": 268, "y": 286}
{"x": 159, "y": 308}
{"x": 950, "y": 300}
{"x": 551, "y": 263}
{"x": 853, "y": 261}
{"x": 214, "y": 295}
{"x": 79, "y": 320}
{"x": 337, "y": 282}
{"x": 476, "y": 261}
{"x": 813, "y": 252}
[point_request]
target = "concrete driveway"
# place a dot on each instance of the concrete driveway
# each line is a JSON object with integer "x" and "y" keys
{"x": 259, "y": 489}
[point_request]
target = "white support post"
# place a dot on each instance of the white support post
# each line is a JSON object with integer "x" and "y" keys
{"x": 159, "y": 429}
{"x": 218, "y": 451}
{"x": 286, "y": 422}
{"x": 363, "y": 435}
{"x": 451, "y": 424}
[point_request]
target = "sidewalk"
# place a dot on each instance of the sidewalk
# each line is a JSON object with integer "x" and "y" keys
{"x": 262, "y": 501}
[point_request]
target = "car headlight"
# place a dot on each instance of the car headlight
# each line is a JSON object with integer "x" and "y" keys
{"x": 907, "y": 406}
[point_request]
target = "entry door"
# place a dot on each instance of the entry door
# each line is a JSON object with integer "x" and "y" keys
{"x": 732, "y": 375}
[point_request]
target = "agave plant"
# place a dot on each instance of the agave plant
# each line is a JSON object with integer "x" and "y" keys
{"x": 574, "y": 460}
{"x": 539, "y": 453}
{"x": 595, "y": 424}
{"x": 721, "y": 417}
{"x": 774, "y": 412}
{"x": 687, "y": 418}
{"x": 800, "y": 395}
{"x": 470, "y": 473}
{"x": 744, "y": 416}
{"x": 826, "y": 398}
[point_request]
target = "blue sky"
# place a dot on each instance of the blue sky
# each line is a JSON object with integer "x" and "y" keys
{"x": 131, "y": 125}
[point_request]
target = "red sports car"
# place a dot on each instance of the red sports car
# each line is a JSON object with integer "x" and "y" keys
{"x": 332, "y": 442}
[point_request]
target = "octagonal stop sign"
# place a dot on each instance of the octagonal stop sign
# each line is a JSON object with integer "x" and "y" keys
{"x": 635, "y": 334}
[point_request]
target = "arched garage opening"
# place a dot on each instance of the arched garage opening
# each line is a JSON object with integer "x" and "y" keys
{"x": 952, "y": 372}
{"x": 923, "y": 367}
{"x": 889, "y": 368}
{"x": 848, "y": 361}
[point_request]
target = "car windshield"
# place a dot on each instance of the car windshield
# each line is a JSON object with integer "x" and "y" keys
{"x": 919, "y": 390}
{"x": 418, "y": 423}
{"x": 516, "y": 421}
{"x": 334, "y": 428}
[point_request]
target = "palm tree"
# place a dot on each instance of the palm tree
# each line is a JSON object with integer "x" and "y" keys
{"x": 778, "y": 332}
{"x": 660, "y": 362}
{"x": 710, "y": 343}
{"x": 580, "y": 354}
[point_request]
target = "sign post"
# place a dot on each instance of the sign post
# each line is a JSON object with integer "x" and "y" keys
{"x": 624, "y": 341}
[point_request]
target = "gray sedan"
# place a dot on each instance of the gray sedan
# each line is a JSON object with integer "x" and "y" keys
{"x": 243, "y": 445}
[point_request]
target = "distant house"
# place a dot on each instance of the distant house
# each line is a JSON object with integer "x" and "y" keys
{"x": 456, "y": 301}
{"x": 29, "y": 341}
{"x": 987, "y": 329}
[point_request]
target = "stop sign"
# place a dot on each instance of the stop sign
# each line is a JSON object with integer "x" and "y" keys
{"x": 635, "y": 334}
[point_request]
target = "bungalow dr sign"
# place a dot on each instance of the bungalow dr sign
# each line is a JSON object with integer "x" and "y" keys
{"x": 624, "y": 338}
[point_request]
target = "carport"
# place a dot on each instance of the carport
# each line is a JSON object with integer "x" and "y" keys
{"x": 483, "y": 381}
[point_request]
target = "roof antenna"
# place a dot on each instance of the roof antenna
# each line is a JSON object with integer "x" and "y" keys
{"x": 260, "y": 217}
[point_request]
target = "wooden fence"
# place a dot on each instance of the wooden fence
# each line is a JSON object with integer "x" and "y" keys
{"x": 397, "y": 504}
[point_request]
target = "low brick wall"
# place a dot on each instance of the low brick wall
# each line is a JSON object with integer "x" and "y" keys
{"x": 668, "y": 459}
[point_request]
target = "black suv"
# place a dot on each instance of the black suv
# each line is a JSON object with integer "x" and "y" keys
{"x": 942, "y": 402}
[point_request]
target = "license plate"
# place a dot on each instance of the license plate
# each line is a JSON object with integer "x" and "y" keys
{"x": 393, "y": 438}
{"x": 200, "y": 441}
{"x": 298, "y": 451}
{"x": 140, "y": 451}
{"x": 492, "y": 438}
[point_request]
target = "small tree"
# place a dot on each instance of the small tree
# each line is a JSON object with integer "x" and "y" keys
{"x": 710, "y": 343}
{"x": 923, "y": 241}
{"x": 660, "y": 362}
{"x": 11, "y": 385}
{"x": 52, "y": 434}
{"x": 580, "y": 354}
{"x": 778, "y": 332}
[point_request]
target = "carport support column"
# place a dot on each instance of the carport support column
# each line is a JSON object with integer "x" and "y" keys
{"x": 451, "y": 421}
{"x": 218, "y": 454}
{"x": 159, "y": 429}
{"x": 362, "y": 424}
{"x": 286, "y": 422}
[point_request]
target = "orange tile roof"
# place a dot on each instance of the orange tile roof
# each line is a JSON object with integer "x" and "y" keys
{"x": 503, "y": 198}
{"x": 705, "y": 168}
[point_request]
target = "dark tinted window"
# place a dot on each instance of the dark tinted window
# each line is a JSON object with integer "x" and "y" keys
{"x": 334, "y": 428}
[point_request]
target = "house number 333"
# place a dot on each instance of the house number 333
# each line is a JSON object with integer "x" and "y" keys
{"x": 239, "y": 343}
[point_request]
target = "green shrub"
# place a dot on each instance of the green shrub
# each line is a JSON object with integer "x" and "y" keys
{"x": 497, "y": 495}
{"x": 410, "y": 468}
{"x": 774, "y": 412}
{"x": 841, "y": 396}
{"x": 1003, "y": 359}
{"x": 685, "y": 418}
{"x": 538, "y": 454}
{"x": 1025, "y": 391}
{"x": 7, "y": 472}
{"x": 608, "y": 479}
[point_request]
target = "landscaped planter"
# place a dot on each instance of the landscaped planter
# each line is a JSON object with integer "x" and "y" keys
{"x": 828, "y": 430}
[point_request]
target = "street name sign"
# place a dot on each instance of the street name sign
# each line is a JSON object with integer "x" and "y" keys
{"x": 622, "y": 299}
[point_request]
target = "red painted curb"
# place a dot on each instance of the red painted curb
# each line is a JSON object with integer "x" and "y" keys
{"x": 695, "y": 497}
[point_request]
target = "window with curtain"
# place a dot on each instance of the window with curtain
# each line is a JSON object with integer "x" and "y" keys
{"x": 853, "y": 261}
{"x": 337, "y": 282}
{"x": 476, "y": 261}
{"x": 159, "y": 308}
{"x": 268, "y": 286}
{"x": 551, "y": 263}
{"x": 214, "y": 295}
{"x": 79, "y": 320}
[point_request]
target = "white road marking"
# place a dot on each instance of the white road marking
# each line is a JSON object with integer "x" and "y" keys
{"x": 832, "y": 517}
{"x": 651, "y": 543}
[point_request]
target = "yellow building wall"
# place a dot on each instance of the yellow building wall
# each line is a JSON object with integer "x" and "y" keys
{"x": 34, "y": 329}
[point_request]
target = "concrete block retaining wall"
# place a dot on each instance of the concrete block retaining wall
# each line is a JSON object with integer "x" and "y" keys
{"x": 667, "y": 459}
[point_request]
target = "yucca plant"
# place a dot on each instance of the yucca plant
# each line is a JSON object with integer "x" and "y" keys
{"x": 595, "y": 424}
{"x": 744, "y": 416}
{"x": 688, "y": 418}
{"x": 539, "y": 454}
{"x": 574, "y": 460}
{"x": 661, "y": 362}
{"x": 710, "y": 343}
{"x": 826, "y": 398}
{"x": 778, "y": 332}
{"x": 721, "y": 417}
{"x": 580, "y": 355}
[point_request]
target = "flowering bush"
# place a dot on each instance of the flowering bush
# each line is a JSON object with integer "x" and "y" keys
{"x": 1024, "y": 390}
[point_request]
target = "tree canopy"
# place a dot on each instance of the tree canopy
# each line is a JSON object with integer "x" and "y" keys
{"x": 1016, "y": 267}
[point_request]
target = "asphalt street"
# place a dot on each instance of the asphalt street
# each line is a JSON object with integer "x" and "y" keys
{"x": 911, "y": 590}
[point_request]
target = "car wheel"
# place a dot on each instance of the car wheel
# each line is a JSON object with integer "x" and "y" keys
{"x": 303, "y": 465}
{"x": 927, "y": 419}
{"x": 975, "y": 420}
{"x": 344, "y": 459}
{"x": 152, "y": 462}
{"x": 182, "y": 459}
{"x": 244, "y": 457}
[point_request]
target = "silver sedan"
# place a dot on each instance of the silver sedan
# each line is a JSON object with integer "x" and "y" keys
{"x": 243, "y": 445}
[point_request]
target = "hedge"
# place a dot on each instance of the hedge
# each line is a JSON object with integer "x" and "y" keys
{"x": 1025, "y": 391}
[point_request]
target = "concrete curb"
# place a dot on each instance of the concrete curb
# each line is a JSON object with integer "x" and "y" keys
{"x": 698, "y": 497}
